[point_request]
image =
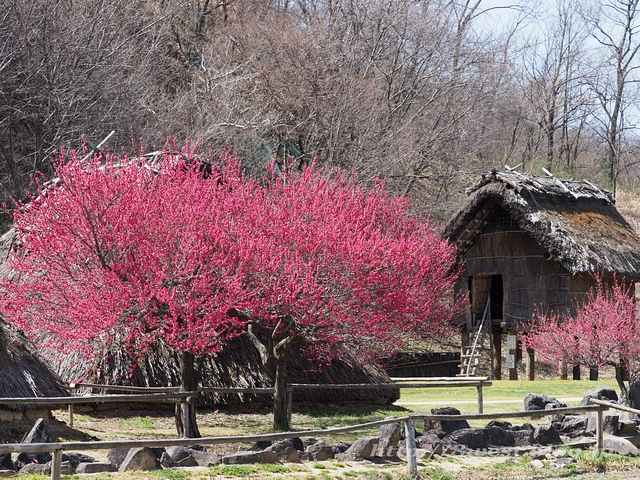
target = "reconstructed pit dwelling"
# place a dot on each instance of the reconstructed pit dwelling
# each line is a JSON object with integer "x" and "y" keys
{"x": 528, "y": 242}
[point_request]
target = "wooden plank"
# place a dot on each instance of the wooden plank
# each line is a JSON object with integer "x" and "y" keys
{"x": 152, "y": 397}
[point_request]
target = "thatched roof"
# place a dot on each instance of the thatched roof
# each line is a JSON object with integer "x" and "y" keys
{"x": 23, "y": 373}
{"x": 575, "y": 221}
{"x": 238, "y": 365}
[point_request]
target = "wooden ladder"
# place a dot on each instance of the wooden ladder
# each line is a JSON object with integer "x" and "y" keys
{"x": 479, "y": 336}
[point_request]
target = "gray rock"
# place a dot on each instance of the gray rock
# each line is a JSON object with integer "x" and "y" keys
{"x": 522, "y": 438}
{"x": 535, "y": 401}
{"x": 35, "y": 469}
{"x": 473, "y": 438}
{"x": 38, "y": 433}
{"x": 448, "y": 426}
{"x": 7, "y": 473}
{"x": 500, "y": 437}
{"x": 181, "y": 457}
{"x": 572, "y": 426}
{"x": 565, "y": 460}
{"x": 609, "y": 422}
{"x": 139, "y": 459}
{"x": 388, "y": 439}
{"x": 619, "y": 445}
{"x": 76, "y": 459}
{"x": 285, "y": 450}
{"x": 96, "y": 467}
{"x": 165, "y": 460}
{"x": 243, "y": 458}
{"x": 66, "y": 468}
{"x": 536, "y": 464}
{"x": 429, "y": 442}
{"x": 117, "y": 455}
{"x": 606, "y": 394}
{"x": 206, "y": 459}
{"x": 5, "y": 462}
{"x": 319, "y": 451}
{"x": 546, "y": 435}
{"x": 362, "y": 449}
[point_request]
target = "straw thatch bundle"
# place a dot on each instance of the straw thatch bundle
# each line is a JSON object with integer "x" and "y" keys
{"x": 23, "y": 373}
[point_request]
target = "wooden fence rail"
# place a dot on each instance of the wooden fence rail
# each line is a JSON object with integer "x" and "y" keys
{"x": 58, "y": 448}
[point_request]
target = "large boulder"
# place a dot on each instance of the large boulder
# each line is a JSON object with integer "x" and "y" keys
{"x": 535, "y": 401}
{"x": 606, "y": 394}
{"x": 95, "y": 467}
{"x": 620, "y": 446}
{"x": 180, "y": 457}
{"x": 546, "y": 435}
{"x": 388, "y": 439}
{"x": 473, "y": 438}
{"x": 319, "y": 451}
{"x": 500, "y": 437}
{"x": 572, "y": 426}
{"x": 363, "y": 449}
{"x": 429, "y": 442}
{"x": 206, "y": 459}
{"x": 285, "y": 450}
{"x": 76, "y": 459}
{"x": 117, "y": 455}
{"x": 610, "y": 420}
{"x": 139, "y": 459}
{"x": 243, "y": 458}
{"x": 448, "y": 426}
{"x": 5, "y": 462}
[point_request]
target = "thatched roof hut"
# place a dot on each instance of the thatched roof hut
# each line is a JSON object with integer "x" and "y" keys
{"x": 23, "y": 373}
{"x": 527, "y": 242}
{"x": 238, "y": 365}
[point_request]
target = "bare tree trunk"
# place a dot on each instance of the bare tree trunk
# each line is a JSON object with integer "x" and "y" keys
{"x": 280, "y": 417}
{"x": 188, "y": 383}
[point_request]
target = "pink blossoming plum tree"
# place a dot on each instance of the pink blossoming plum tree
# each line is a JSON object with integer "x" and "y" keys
{"x": 122, "y": 249}
{"x": 603, "y": 331}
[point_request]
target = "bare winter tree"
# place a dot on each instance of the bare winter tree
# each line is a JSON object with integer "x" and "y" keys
{"x": 69, "y": 68}
{"x": 615, "y": 81}
{"x": 552, "y": 83}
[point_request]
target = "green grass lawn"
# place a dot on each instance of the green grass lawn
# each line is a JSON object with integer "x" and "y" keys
{"x": 422, "y": 400}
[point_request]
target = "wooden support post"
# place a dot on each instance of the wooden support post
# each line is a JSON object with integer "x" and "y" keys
{"x": 410, "y": 435}
{"x": 496, "y": 355}
{"x": 512, "y": 343}
{"x": 593, "y": 374}
{"x": 480, "y": 404}
{"x": 531, "y": 364}
{"x": 564, "y": 375}
{"x": 186, "y": 420}
{"x": 599, "y": 434}
{"x": 56, "y": 464}
{"x": 289, "y": 404}
{"x": 576, "y": 372}
{"x": 70, "y": 415}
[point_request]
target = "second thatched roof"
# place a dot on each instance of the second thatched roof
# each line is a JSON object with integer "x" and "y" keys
{"x": 575, "y": 221}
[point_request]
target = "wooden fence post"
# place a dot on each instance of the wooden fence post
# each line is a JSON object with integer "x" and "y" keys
{"x": 412, "y": 464}
{"x": 599, "y": 435}
{"x": 56, "y": 464}
{"x": 480, "y": 405}
{"x": 289, "y": 404}
{"x": 71, "y": 415}
{"x": 186, "y": 419}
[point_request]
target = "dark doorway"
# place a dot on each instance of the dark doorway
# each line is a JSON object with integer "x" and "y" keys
{"x": 497, "y": 297}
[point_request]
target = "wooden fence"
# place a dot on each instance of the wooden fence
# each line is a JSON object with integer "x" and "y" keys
{"x": 412, "y": 467}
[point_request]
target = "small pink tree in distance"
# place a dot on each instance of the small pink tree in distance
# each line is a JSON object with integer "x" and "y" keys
{"x": 603, "y": 331}
{"x": 194, "y": 258}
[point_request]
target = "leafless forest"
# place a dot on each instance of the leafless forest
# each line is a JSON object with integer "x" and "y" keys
{"x": 426, "y": 93}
